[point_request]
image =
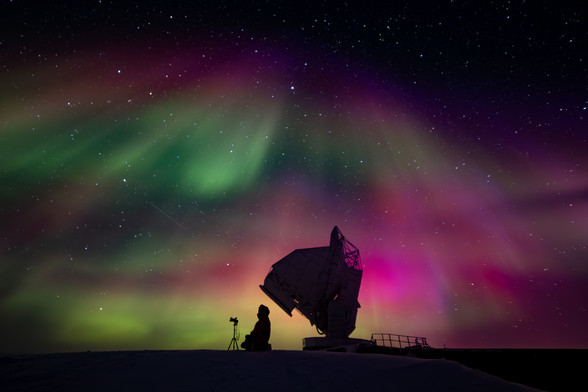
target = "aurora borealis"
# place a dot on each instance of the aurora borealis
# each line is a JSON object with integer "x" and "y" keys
{"x": 156, "y": 160}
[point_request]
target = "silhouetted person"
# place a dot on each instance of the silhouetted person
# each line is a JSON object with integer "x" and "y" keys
{"x": 258, "y": 339}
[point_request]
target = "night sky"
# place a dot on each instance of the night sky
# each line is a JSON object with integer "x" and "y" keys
{"x": 156, "y": 159}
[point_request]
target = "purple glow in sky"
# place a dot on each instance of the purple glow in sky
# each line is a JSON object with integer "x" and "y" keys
{"x": 154, "y": 168}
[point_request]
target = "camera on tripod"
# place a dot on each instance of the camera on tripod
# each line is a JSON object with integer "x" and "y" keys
{"x": 233, "y": 343}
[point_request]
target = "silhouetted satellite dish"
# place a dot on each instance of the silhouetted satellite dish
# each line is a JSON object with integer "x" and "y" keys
{"x": 322, "y": 283}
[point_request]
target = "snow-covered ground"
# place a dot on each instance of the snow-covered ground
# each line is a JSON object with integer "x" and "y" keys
{"x": 208, "y": 370}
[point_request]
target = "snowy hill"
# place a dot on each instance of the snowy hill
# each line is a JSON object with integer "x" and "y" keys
{"x": 207, "y": 370}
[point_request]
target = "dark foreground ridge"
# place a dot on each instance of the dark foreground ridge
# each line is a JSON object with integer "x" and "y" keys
{"x": 545, "y": 369}
{"x": 208, "y": 370}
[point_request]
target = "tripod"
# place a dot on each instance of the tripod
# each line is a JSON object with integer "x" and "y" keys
{"x": 234, "y": 340}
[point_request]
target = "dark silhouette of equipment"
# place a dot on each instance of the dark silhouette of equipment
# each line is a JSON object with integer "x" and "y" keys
{"x": 233, "y": 343}
{"x": 323, "y": 284}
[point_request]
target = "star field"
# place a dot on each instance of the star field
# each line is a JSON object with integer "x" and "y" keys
{"x": 157, "y": 159}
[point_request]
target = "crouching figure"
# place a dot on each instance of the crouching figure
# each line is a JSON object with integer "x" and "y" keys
{"x": 258, "y": 339}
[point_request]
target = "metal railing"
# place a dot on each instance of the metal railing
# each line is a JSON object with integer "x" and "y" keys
{"x": 399, "y": 341}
